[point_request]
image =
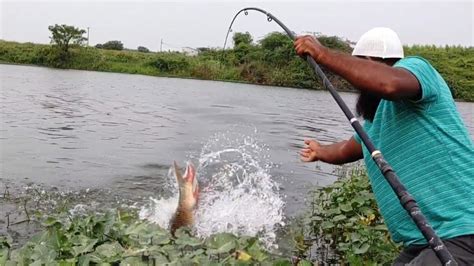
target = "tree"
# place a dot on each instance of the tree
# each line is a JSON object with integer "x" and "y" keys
{"x": 64, "y": 35}
{"x": 276, "y": 40}
{"x": 277, "y": 48}
{"x": 113, "y": 45}
{"x": 242, "y": 38}
{"x": 143, "y": 49}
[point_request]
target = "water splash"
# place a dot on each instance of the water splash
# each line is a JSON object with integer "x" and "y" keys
{"x": 238, "y": 194}
{"x": 161, "y": 210}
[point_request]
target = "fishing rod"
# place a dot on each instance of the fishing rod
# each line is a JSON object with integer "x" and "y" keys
{"x": 405, "y": 198}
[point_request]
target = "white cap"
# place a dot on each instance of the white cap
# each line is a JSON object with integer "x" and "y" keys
{"x": 379, "y": 42}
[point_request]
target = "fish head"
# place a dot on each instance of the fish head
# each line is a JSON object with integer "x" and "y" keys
{"x": 188, "y": 185}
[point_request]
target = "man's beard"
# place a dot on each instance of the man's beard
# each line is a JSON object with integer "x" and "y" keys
{"x": 367, "y": 105}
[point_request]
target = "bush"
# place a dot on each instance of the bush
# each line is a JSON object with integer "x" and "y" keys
{"x": 111, "y": 45}
{"x": 344, "y": 218}
{"x": 143, "y": 49}
{"x": 171, "y": 64}
{"x": 209, "y": 69}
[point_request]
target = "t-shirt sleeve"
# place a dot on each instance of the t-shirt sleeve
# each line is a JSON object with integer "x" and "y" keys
{"x": 427, "y": 76}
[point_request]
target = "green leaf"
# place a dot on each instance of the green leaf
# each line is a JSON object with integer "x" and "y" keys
{"x": 257, "y": 252}
{"x": 334, "y": 211}
{"x": 221, "y": 243}
{"x": 362, "y": 249}
{"x": 327, "y": 225}
{"x": 346, "y": 207}
{"x": 51, "y": 221}
{"x": 3, "y": 256}
{"x": 188, "y": 241}
{"x": 380, "y": 227}
{"x": 84, "y": 260}
{"x": 358, "y": 201}
{"x": 43, "y": 253}
{"x": 135, "y": 229}
{"x": 109, "y": 251}
{"x": 355, "y": 237}
{"x": 339, "y": 218}
{"x": 68, "y": 262}
{"x": 85, "y": 247}
{"x": 133, "y": 261}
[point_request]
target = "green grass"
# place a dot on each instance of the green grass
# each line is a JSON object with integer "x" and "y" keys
{"x": 278, "y": 66}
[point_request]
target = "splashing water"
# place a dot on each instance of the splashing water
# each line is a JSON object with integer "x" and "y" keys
{"x": 161, "y": 210}
{"x": 237, "y": 195}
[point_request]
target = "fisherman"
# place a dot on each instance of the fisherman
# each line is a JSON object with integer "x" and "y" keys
{"x": 411, "y": 117}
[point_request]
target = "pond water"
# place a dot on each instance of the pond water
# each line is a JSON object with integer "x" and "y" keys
{"x": 118, "y": 133}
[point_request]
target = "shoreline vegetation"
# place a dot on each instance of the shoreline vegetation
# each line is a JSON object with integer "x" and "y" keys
{"x": 341, "y": 226}
{"x": 270, "y": 61}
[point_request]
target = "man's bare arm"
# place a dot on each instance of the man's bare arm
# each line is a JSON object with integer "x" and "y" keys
{"x": 374, "y": 77}
{"x": 338, "y": 153}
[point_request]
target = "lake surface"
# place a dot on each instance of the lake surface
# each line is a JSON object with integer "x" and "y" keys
{"x": 75, "y": 130}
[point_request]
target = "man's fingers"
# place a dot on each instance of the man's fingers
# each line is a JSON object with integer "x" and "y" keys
{"x": 298, "y": 49}
{"x": 306, "y": 150}
{"x": 304, "y": 153}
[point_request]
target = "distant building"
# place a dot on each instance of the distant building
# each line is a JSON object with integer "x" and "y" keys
{"x": 190, "y": 51}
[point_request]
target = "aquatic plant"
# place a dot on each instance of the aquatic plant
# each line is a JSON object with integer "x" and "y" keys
{"x": 117, "y": 237}
{"x": 344, "y": 224}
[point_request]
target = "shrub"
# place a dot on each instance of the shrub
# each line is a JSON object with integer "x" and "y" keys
{"x": 209, "y": 69}
{"x": 111, "y": 45}
{"x": 344, "y": 218}
{"x": 143, "y": 49}
{"x": 170, "y": 64}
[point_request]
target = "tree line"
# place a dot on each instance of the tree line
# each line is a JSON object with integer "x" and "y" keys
{"x": 269, "y": 61}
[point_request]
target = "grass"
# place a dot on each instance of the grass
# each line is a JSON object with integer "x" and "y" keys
{"x": 277, "y": 66}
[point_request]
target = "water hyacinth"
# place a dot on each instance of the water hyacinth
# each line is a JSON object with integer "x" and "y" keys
{"x": 118, "y": 237}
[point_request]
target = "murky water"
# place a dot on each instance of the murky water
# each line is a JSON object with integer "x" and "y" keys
{"x": 119, "y": 133}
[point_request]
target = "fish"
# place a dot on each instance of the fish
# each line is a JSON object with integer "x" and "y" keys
{"x": 188, "y": 189}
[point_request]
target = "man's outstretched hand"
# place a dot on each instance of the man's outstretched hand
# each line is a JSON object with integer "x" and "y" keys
{"x": 311, "y": 152}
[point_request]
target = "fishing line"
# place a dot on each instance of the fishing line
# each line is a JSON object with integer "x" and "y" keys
{"x": 406, "y": 200}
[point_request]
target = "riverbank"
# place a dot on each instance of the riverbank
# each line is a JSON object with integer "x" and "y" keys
{"x": 262, "y": 63}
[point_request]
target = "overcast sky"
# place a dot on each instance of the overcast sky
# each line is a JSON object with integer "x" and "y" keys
{"x": 203, "y": 23}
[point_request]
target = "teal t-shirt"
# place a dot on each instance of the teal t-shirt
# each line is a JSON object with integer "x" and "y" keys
{"x": 429, "y": 147}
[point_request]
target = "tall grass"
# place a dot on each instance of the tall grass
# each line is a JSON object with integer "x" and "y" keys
{"x": 255, "y": 63}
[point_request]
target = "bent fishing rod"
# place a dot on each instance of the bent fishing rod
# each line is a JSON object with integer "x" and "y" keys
{"x": 405, "y": 198}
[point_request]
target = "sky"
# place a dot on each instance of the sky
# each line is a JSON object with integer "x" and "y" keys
{"x": 202, "y": 23}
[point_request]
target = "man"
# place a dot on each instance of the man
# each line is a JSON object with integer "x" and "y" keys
{"x": 412, "y": 119}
